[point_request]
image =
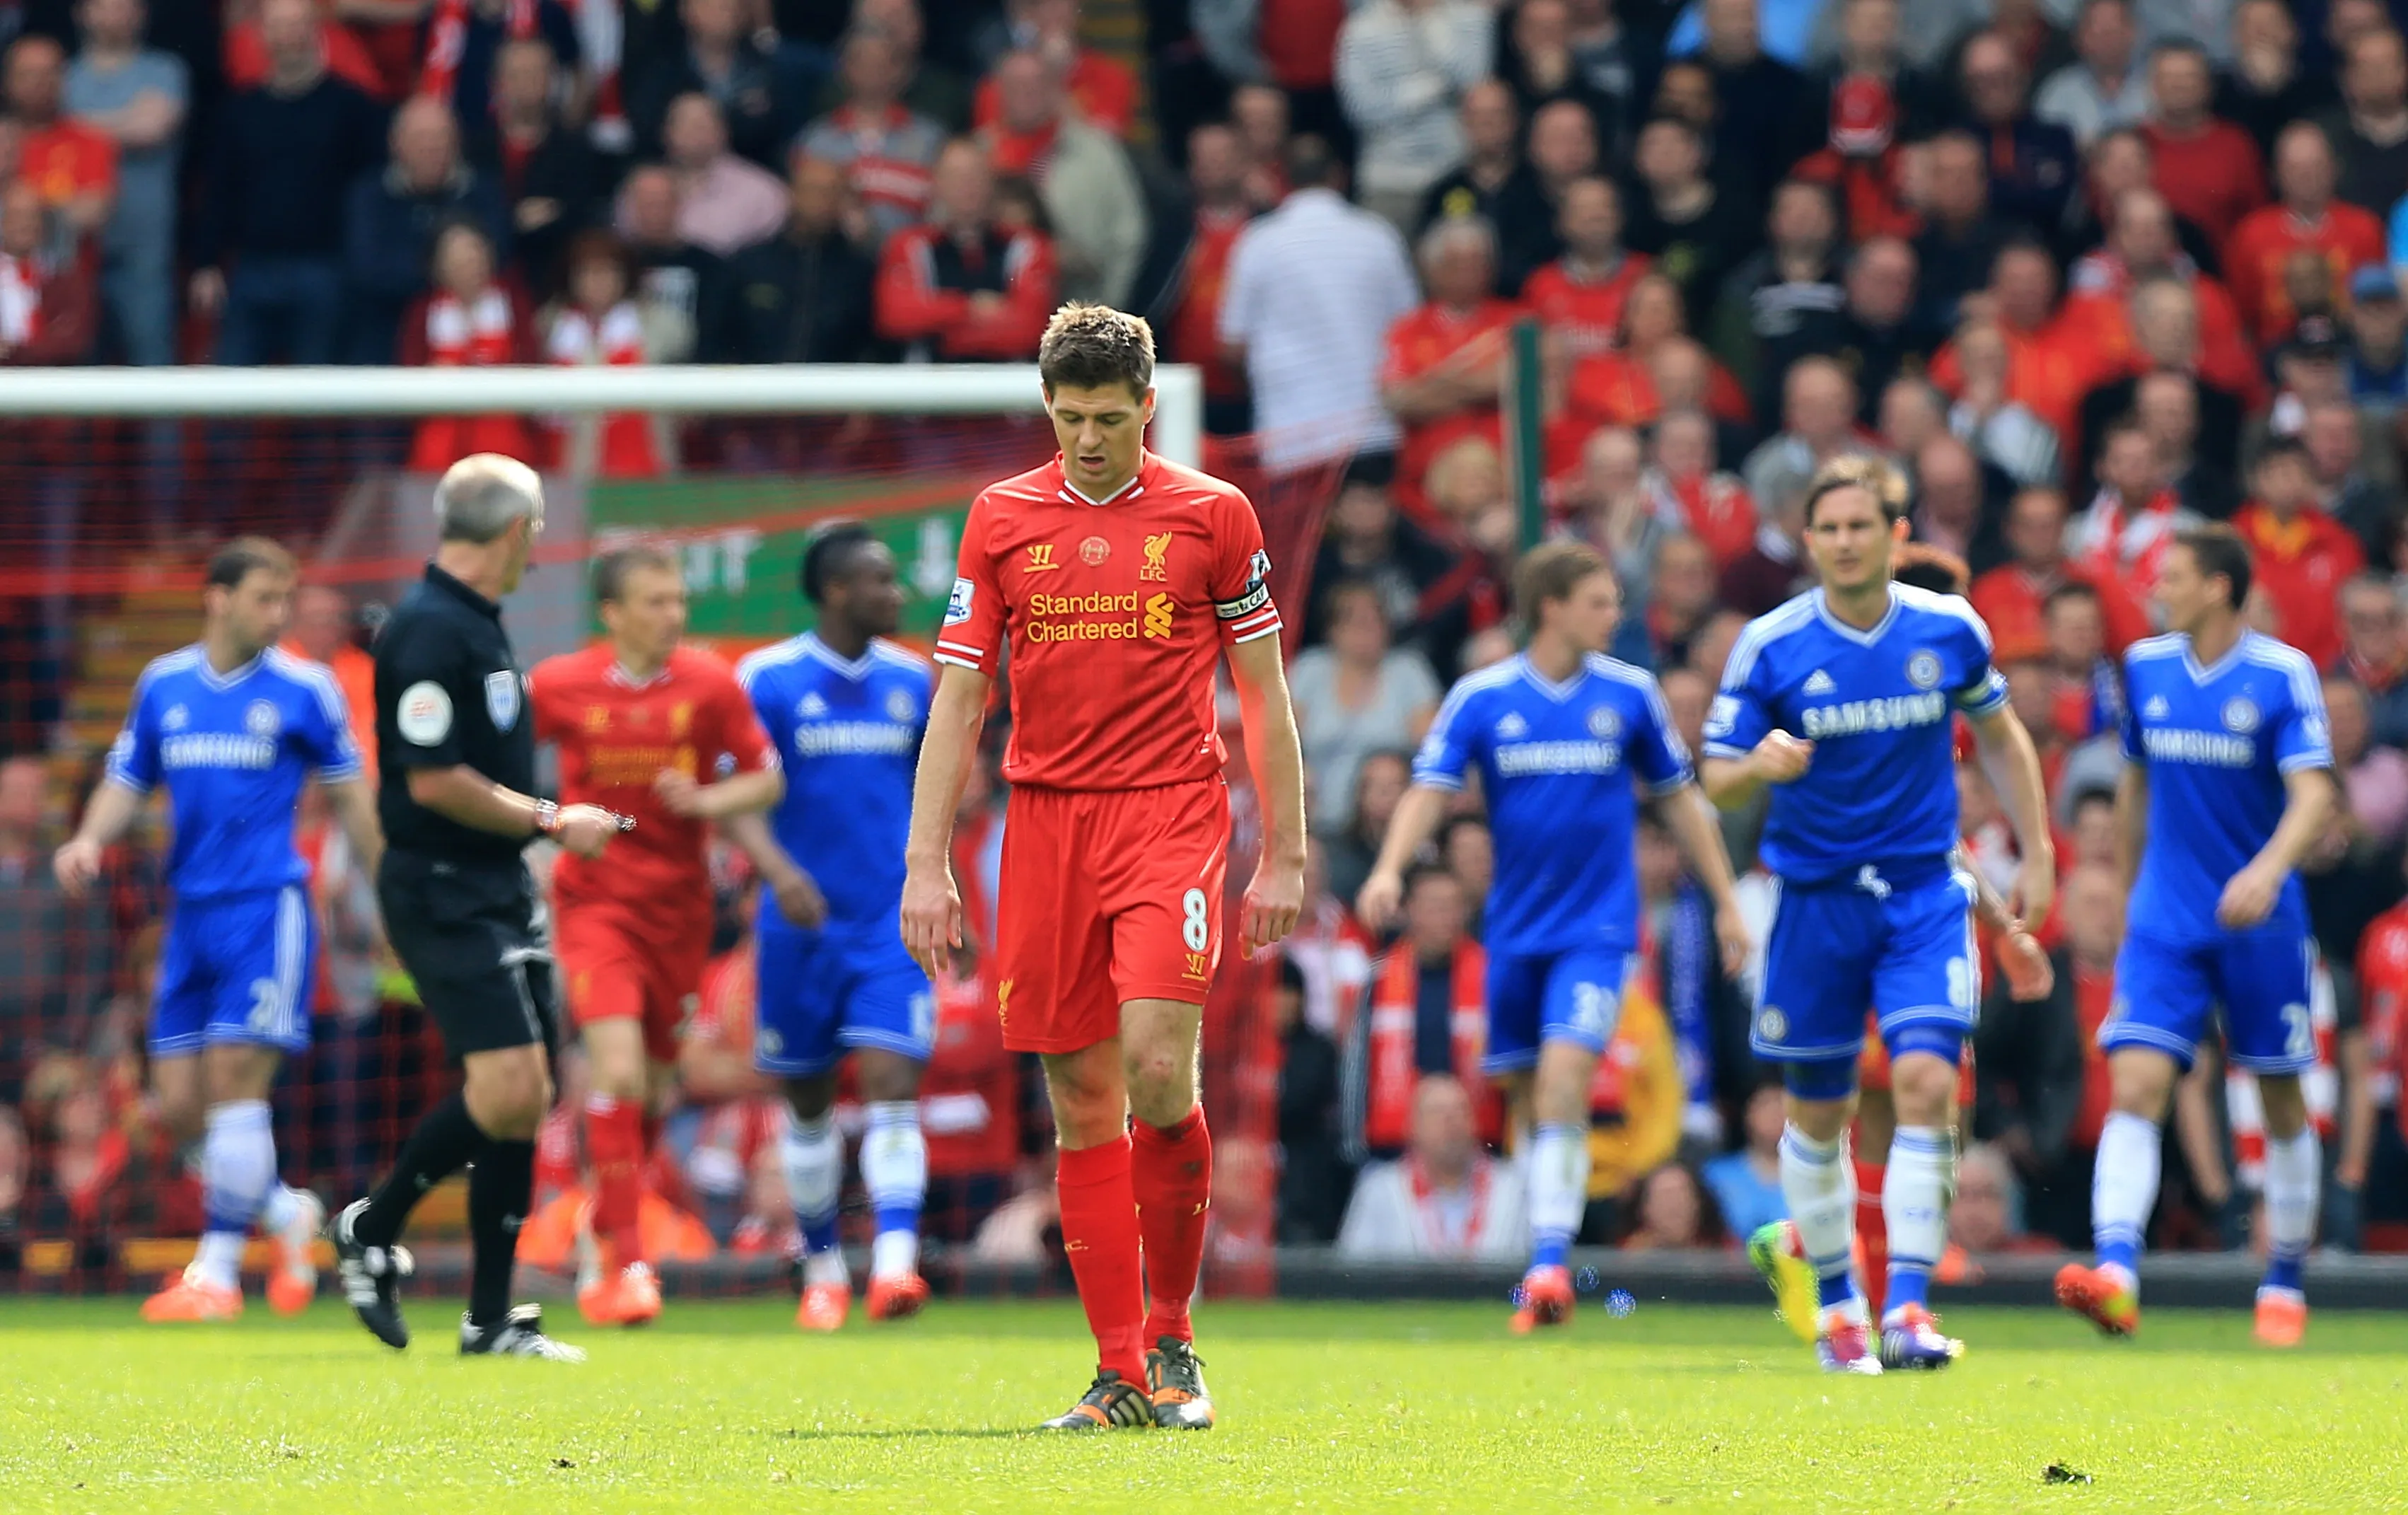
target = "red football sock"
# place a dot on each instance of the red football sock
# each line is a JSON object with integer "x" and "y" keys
{"x": 1099, "y": 1231}
{"x": 1872, "y": 1235}
{"x": 614, "y": 1138}
{"x": 1171, "y": 1174}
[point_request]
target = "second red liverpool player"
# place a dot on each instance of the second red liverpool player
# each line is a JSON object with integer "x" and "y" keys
{"x": 1118, "y": 579}
{"x": 662, "y": 733}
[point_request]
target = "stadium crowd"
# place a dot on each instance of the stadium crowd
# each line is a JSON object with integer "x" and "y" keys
{"x": 2086, "y": 272}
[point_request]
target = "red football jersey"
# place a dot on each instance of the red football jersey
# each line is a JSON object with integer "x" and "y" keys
{"x": 615, "y": 736}
{"x": 1116, "y": 611}
{"x": 1586, "y": 315}
{"x": 2345, "y": 236}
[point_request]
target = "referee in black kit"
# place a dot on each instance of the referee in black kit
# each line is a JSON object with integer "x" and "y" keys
{"x": 455, "y": 750}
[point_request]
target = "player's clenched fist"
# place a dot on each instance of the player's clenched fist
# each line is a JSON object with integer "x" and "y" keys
{"x": 1273, "y": 901}
{"x": 2025, "y": 961}
{"x": 932, "y": 916}
{"x": 1782, "y": 758}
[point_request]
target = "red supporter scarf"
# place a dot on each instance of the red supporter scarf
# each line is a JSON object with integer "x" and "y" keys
{"x": 447, "y": 41}
{"x": 618, "y": 338}
{"x": 1430, "y": 1221}
{"x": 20, "y": 301}
{"x": 472, "y": 336}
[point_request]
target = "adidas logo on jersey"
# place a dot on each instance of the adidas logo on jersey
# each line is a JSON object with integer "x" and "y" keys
{"x": 2155, "y": 709}
{"x": 811, "y": 708}
{"x": 1819, "y": 683}
{"x": 1513, "y": 725}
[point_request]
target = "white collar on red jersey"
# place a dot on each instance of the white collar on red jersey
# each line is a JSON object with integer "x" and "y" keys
{"x": 1130, "y": 490}
{"x": 617, "y": 674}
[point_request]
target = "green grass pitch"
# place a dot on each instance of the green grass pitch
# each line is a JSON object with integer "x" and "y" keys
{"x": 722, "y": 1407}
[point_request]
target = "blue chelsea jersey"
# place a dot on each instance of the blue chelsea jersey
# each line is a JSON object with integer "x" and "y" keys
{"x": 1560, "y": 766}
{"x": 849, "y": 735}
{"x": 1879, "y": 706}
{"x": 2217, "y": 743}
{"x": 232, "y": 750}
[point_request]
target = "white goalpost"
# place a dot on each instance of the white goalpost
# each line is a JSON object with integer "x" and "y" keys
{"x": 837, "y": 389}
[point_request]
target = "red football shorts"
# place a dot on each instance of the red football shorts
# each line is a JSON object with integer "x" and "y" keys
{"x": 615, "y": 971}
{"x": 1106, "y": 896}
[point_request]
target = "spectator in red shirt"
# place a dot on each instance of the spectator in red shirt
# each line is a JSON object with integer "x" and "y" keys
{"x": 2158, "y": 330}
{"x": 50, "y": 303}
{"x": 2301, "y": 556}
{"x": 1217, "y": 183}
{"x": 73, "y": 165}
{"x": 958, "y": 288}
{"x": 1102, "y": 91}
{"x": 2208, "y": 170}
{"x": 2305, "y": 218}
{"x": 2012, "y": 599}
{"x": 1690, "y": 492}
{"x": 1446, "y": 360}
{"x": 1579, "y": 296}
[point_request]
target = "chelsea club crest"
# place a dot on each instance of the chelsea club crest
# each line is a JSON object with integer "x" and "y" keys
{"x": 1922, "y": 669}
{"x": 2241, "y": 715}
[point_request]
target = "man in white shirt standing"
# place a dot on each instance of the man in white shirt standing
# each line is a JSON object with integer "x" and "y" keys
{"x": 1312, "y": 289}
{"x": 1401, "y": 69}
{"x": 1444, "y": 1200}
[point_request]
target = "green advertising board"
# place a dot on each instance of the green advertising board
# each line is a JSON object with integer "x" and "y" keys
{"x": 744, "y": 538}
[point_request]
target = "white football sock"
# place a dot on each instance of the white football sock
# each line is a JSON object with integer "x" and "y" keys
{"x": 1820, "y": 1186}
{"x": 1915, "y": 1204}
{"x": 813, "y": 1153}
{"x": 238, "y": 1169}
{"x": 2124, "y": 1189}
{"x": 1558, "y": 1180}
{"x": 895, "y": 1170}
{"x": 2294, "y": 1172}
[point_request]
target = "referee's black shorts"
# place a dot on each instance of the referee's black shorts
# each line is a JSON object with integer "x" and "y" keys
{"x": 473, "y": 938}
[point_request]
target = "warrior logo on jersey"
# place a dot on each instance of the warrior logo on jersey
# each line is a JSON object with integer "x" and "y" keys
{"x": 957, "y": 609}
{"x": 2239, "y": 716}
{"x": 1040, "y": 558}
{"x": 502, "y": 699}
{"x": 260, "y": 719}
{"x": 1604, "y": 723}
{"x": 1923, "y": 670}
{"x": 1157, "y": 547}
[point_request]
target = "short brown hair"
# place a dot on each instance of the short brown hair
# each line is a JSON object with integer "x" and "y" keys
{"x": 243, "y": 556}
{"x": 2220, "y": 554}
{"x": 611, "y": 569}
{"x": 1093, "y": 346}
{"x": 1551, "y": 572}
{"x": 1870, "y": 474}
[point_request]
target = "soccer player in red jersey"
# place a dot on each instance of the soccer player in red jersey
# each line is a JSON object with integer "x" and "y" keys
{"x": 660, "y": 733}
{"x": 1118, "y": 579}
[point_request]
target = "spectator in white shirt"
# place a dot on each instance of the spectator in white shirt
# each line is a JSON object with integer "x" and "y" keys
{"x": 1312, "y": 289}
{"x": 1445, "y": 1200}
{"x": 1401, "y": 69}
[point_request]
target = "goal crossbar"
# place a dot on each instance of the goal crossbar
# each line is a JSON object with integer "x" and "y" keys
{"x": 725, "y": 389}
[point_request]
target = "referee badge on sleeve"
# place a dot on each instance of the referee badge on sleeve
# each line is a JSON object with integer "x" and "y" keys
{"x": 502, "y": 697}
